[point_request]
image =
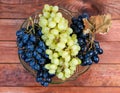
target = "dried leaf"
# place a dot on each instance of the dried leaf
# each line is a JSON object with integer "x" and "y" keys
{"x": 87, "y": 24}
{"x": 98, "y": 24}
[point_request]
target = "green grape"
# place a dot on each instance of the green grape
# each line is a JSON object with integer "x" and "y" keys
{"x": 47, "y": 7}
{"x": 43, "y": 22}
{"x": 55, "y": 61}
{"x": 54, "y": 31}
{"x": 52, "y": 14}
{"x": 60, "y": 75}
{"x": 46, "y": 14}
{"x": 55, "y": 55}
{"x": 53, "y": 66}
{"x": 52, "y": 71}
{"x": 56, "y": 19}
{"x": 55, "y": 9}
{"x": 67, "y": 75}
{"x": 51, "y": 24}
{"x": 49, "y": 51}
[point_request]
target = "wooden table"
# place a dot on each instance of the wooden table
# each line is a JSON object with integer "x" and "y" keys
{"x": 100, "y": 78}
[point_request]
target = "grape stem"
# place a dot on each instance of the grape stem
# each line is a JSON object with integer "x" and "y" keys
{"x": 32, "y": 22}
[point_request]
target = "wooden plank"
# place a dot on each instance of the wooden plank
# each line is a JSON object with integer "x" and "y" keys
{"x": 24, "y": 8}
{"x": 98, "y": 75}
{"x": 8, "y": 28}
{"x": 59, "y": 90}
{"x": 111, "y": 52}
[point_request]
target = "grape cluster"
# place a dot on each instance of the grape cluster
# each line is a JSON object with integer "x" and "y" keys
{"x": 90, "y": 48}
{"x": 62, "y": 43}
{"x": 32, "y": 49}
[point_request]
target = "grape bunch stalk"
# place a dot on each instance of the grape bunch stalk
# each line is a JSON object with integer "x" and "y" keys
{"x": 90, "y": 48}
{"x": 32, "y": 49}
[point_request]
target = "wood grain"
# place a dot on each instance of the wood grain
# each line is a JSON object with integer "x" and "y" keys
{"x": 111, "y": 49}
{"x": 60, "y": 89}
{"x": 24, "y": 8}
{"x": 97, "y": 75}
{"x": 100, "y": 78}
{"x": 8, "y": 28}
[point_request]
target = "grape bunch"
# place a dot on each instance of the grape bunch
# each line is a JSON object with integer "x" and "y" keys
{"x": 90, "y": 48}
{"x": 62, "y": 44}
{"x": 32, "y": 49}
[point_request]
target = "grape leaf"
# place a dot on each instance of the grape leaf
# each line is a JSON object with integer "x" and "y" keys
{"x": 97, "y": 24}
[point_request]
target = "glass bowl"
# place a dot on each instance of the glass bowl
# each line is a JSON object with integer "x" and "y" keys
{"x": 79, "y": 70}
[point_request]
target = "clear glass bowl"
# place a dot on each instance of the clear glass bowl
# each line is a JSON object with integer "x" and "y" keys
{"x": 79, "y": 70}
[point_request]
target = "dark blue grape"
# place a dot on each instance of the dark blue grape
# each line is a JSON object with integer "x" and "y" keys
{"x": 35, "y": 53}
{"x": 74, "y": 20}
{"x": 32, "y": 63}
{"x": 39, "y": 74}
{"x": 29, "y": 54}
{"x": 84, "y": 63}
{"x": 80, "y": 56}
{"x": 48, "y": 80}
{"x": 23, "y": 56}
{"x": 20, "y": 51}
{"x": 42, "y": 82}
{"x": 95, "y": 59}
{"x": 91, "y": 53}
{"x": 41, "y": 44}
{"x": 27, "y": 59}
{"x": 37, "y": 67}
{"x": 30, "y": 47}
{"x": 81, "y": 41}
{"x": 96, "y": 44}
{"x": 39, "y": 50}
{"x": 18, "y": 39}
{"x": 80, "y": 19}
{"x": 39, "y": 33}
{"x": 46, "y": 55}
{"x": 41, "y": 61}
{"x": 100, "y": 51}
{"x": 95, "y": 52}
{"x": 38, "y": 57}
{"x": 85, "y": 15}
{"x": 25, "y": 37}
{"x": 45, "y": 75}
{"x": 39, "y": 79}
{"x": 80, "y": 25}
{"x": 89, "y": 61}
{"x": 20, "y": 44}
{"x": 19, "y": 33}
{"x": 86, "y": 55}
{"x": 74, "y": 27}
{"x": 32, "y": 38}
{"x": 45, "y": 84}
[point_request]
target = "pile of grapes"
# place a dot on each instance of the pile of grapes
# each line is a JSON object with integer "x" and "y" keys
{"x": 52, "y": 48}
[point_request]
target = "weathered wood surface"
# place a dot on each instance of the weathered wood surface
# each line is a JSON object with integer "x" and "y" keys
{"x": 97, "y": 75}
{"x": 24, "y": 8}
{"x": 100, "y": 78}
